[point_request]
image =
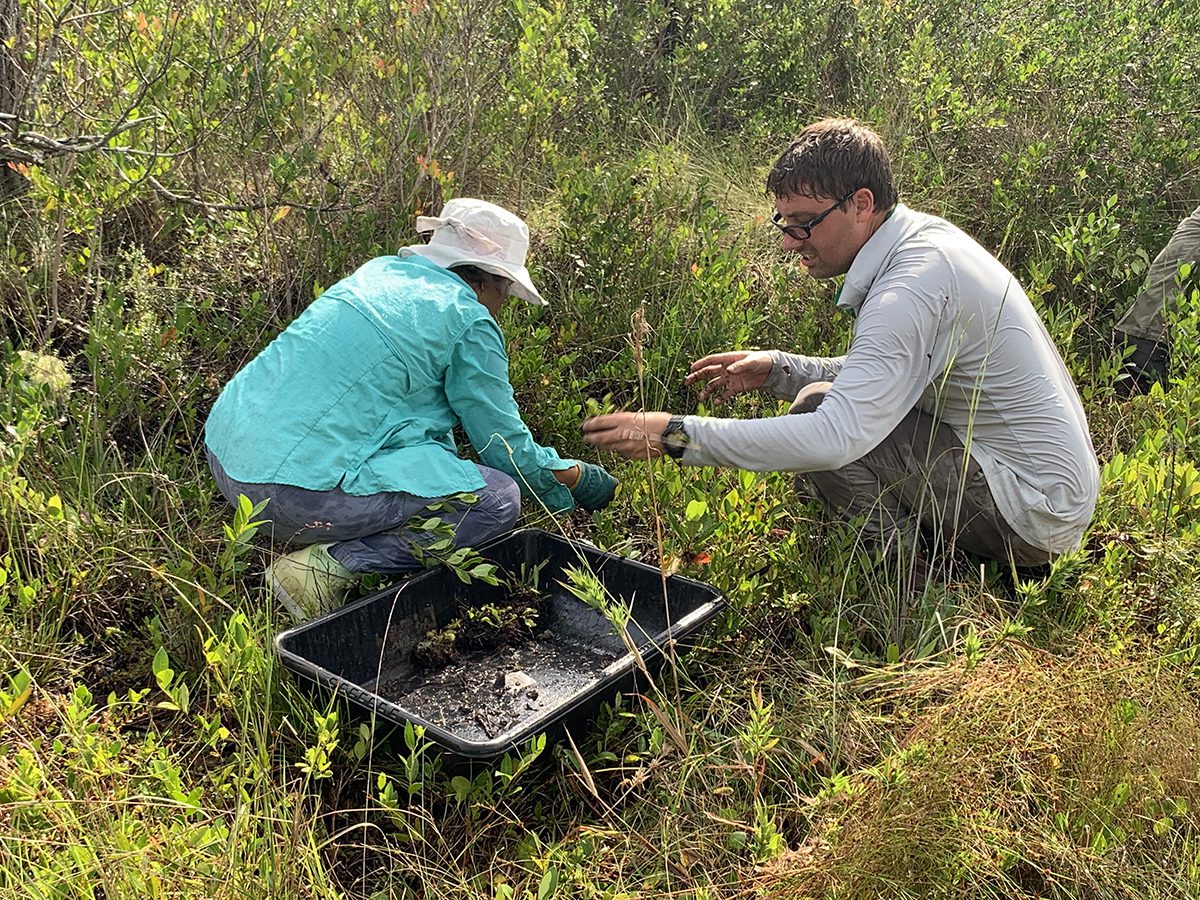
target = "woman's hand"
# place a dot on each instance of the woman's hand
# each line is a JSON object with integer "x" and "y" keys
{"x": 595, "y": 488}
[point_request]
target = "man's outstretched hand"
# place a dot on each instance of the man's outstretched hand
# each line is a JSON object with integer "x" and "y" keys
{"x": 633, "y": 435}
{"x": 728, "y": 374}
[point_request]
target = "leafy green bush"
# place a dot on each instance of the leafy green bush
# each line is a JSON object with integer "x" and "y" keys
{"x": 192, "y": 177}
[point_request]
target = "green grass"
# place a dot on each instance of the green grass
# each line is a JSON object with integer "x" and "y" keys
{"x": 833, "y": 736}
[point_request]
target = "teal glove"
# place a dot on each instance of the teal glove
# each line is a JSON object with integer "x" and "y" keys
{"x": 595, "y": 488}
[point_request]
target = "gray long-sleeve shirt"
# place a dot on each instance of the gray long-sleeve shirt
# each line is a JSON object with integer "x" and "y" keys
{"x": 942, "y": 325}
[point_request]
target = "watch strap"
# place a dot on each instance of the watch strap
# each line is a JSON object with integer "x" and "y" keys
{"x": 675, "y": 438}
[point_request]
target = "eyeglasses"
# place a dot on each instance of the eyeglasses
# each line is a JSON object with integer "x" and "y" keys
{"x": 804, "y": 232}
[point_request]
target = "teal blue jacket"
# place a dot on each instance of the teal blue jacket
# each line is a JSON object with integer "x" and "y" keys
{"x": 363, "y": 389}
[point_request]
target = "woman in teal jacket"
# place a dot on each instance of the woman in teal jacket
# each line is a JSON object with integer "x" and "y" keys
{"x": 344, "y": 423}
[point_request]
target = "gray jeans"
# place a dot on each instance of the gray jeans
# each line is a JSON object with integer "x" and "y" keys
{"x": 1145, "y": 318}
{"x": 919, "y": 482}
{"x": 368, "y": 533}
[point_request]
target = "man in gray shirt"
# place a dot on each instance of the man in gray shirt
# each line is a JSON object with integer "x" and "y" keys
{"x": 952, "y": 416}
{"x": 1144, "y": 325}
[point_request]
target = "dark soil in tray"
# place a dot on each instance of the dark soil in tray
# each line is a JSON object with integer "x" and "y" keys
{"x": 486, "y": 694}
{"x": 513, "y": 617}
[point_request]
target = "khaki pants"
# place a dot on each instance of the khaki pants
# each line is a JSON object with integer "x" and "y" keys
{"x": 919, "y": 483}
{"x": 1145, "y": 317}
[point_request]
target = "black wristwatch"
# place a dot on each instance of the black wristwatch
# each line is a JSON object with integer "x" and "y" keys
{"x": 674, "y": 439}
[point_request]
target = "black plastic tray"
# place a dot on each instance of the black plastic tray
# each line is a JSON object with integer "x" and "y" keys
{"x": 364, "y": 651}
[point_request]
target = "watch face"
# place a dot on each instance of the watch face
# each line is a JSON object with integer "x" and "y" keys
{"x": 674, "y": 438}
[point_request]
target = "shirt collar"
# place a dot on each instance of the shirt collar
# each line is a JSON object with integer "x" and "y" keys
{"x": 873, "y": 256}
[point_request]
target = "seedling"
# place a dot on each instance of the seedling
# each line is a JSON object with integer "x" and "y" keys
{"x": 516, "y": 615}
{"x": 586, "y": 585}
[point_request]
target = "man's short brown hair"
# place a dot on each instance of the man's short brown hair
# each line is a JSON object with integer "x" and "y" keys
{"x": 831, "y": 158}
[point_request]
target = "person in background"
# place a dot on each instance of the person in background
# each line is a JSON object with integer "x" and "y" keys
{"x": 344, "y": 423}
{"x": 1143, "y": 327}
{"x": 951, "y": 420}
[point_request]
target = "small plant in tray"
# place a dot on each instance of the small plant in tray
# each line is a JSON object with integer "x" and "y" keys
{"x": 519, "y": 612}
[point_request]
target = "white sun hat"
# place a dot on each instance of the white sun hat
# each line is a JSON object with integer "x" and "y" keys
{"x": 477, "y": 233}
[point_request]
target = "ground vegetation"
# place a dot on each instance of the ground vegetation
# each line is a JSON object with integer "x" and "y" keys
{"x": 179, "y": 180}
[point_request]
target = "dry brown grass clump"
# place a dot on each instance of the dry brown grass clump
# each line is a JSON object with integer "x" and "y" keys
{"x": 1028, "y": 776}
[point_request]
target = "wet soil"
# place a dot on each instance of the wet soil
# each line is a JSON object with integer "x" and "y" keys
{"x": 492, "y": 693}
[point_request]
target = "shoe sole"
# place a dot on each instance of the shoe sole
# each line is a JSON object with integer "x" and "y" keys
{"x": 293, "y": 608}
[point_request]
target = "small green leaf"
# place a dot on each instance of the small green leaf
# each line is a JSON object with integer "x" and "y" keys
{"x": 163, "y": 673}
{"x": 549, "y": 885}
{"x": 22, "y": 688}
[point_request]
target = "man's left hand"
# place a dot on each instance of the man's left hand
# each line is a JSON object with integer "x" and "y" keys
{"x": 631, "y": 435}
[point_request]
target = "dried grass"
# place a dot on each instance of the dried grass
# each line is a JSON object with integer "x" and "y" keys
{"x": 1029, "y": 775}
